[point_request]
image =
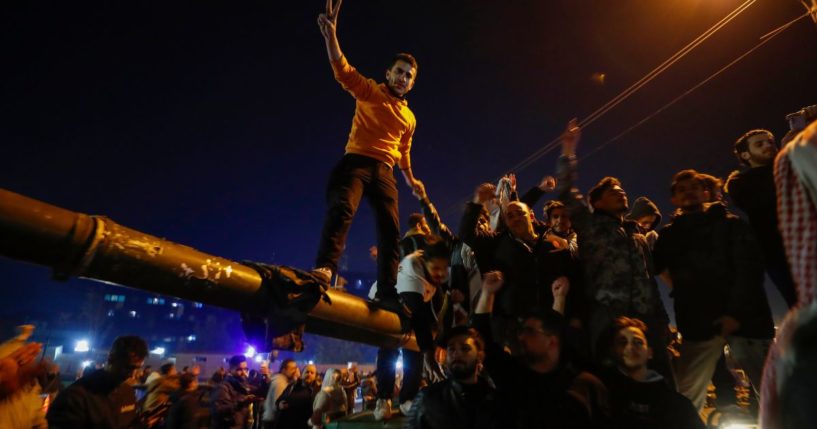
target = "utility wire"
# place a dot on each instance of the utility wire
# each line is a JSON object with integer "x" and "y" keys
{"x": 763, "y": 40}
{"x": 632, "y": 89}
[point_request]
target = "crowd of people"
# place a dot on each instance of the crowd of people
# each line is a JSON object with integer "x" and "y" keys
{"x": 520, "y": 320}
{"x": 569, "y": 328}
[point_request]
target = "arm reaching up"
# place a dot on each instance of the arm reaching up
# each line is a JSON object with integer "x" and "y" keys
{"x": 328, "y": 23}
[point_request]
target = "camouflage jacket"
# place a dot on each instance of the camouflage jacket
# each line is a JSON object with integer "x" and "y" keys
{"x": 615, "y": 257}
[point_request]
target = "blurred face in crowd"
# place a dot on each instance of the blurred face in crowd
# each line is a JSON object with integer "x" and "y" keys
{"x": 646, "y": 222}
{"x": 762, "y": 150}
{"x": 423, "y": 227}
{"x": 485, "y": 192}
{"x": 437, "y": 269}
{"x": 290, "y": 371}
{"x": 462, "y": 357}
{"x": 613, "y": 200}
{"x": 630, "y": 349}
{"x": 518, "y": 221}
{"x": 689, "y": 194}
{"x": 241, "y": 371}
{"x": 536, "y": 344}
{"x": 310, "y": 373}
{"x": 559, "y": 220}
{"x": 195, "y": 370}
{"x": 264, "y": 370}
{"x": 123, "y": 368}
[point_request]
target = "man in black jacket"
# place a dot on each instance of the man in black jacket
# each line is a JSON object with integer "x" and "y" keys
{"x": 542, "y": 388}
{"x": 753, "y": 191}
{"x": 716, "y": 273}
{"x": 529, "y": 262}
{"x": 103, "y": 399}
{"x": 230, "y": 400}
{"x": 465, "y": 399}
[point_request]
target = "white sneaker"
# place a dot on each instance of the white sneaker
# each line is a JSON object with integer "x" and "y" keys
{"x": 405, "y": 407}
{"x": 382, "y": 409}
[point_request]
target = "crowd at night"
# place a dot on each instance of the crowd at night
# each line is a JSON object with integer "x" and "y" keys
{"x": 562, "y": 298}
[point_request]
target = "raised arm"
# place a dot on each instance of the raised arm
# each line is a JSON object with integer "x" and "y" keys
{"x": 328, "y": 23}
{"x": 566, "y": 172}
{"x": 436, "y": 224}
{"x": 347, "y": 76}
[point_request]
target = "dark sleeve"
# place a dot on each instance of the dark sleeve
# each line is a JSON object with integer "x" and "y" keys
{"x": 566, "y": 176}
{"x": 68, "y": 411}
{"x": 222, "y": 402}
{"x": 748, "y": 266}
{"x": 499, "y": 364}
{"x": 479, "y": 240}
{"x": 435, "y": 223}
{"x": 532, "y": 196}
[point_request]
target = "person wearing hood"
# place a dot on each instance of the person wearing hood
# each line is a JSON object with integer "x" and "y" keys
{"x": 646, "y": 214}
{"x": 231, "y": 399}
{"x": 639, "y": 396}
{"x": 716, "y": 269}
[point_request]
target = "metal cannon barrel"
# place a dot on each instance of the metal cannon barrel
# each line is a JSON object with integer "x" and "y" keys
{"x": 97, "y": 248}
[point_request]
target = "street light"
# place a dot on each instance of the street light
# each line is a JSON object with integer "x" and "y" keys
{"x": 82, "y": 346}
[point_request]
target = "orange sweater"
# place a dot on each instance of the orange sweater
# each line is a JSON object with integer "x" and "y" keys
{"x": 383, "y": 124}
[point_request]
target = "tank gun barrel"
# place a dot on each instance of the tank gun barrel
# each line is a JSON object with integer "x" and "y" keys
{"x": 97, "y": 248}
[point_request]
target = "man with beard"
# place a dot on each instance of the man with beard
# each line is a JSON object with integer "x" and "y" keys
{"x": 279, "y": 383}
{"x": 295, "y": 404}
{"x": 616, "y": 261}
{"x": 104, "y": 398}
{"x": 230, "y": 400}
{"x": 542, "y": 388}
{"x": 753, "y": 191}
{"x": 381, "y": 135}
{"x": 465, "y": 399}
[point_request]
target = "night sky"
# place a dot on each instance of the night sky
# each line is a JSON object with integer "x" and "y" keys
{"x": 216, "y": 124}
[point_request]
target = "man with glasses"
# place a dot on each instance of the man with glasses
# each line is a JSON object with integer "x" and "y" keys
{"x": 543, "y": 389}
{"x": 104, "y": 398}
{"x": 230, "y": 400}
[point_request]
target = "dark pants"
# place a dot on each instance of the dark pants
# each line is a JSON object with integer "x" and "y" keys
{"x": 353, "y": 177}
{"x": 421, "y": 323}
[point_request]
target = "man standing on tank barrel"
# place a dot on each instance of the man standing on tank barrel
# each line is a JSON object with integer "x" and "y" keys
{"x": 380, "y": 138}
